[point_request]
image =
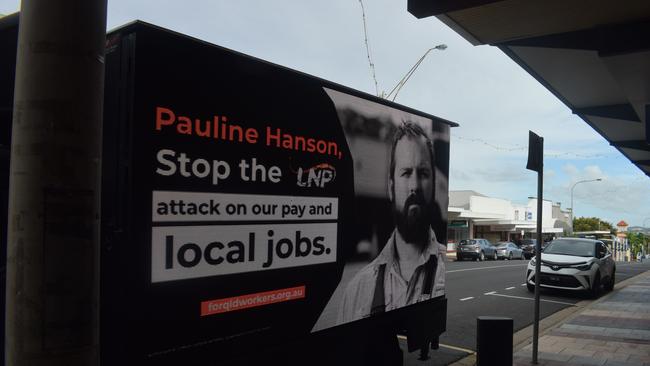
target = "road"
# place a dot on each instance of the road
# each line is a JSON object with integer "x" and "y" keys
{"x": 496, "y": 288}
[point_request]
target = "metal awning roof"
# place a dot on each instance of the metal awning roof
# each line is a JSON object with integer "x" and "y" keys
{"x": 594, "y": 55}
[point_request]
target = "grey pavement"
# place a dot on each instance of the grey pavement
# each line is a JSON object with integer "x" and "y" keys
{"x": 612, "y": 331}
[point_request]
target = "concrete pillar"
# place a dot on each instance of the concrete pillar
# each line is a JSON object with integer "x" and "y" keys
{"x": 470, "y": 226}
{"x": 53, "y": 235}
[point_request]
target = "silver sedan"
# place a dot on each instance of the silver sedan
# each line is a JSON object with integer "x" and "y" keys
{"x": 508, "y": 250}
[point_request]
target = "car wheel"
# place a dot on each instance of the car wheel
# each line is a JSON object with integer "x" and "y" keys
{"x": 481, "y": 257}
{"x": 611, "y": 282}
{"x": 531, "y": 288}
{"x": 595, "y": 287}
{"x": 510, "y": 256}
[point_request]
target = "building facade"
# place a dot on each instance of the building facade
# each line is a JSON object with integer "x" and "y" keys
{"x": 474, "y": 215}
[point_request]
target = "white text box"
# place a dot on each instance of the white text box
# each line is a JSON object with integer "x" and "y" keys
{"x": 196, "y": 206}
{"x": 184, "y": 252}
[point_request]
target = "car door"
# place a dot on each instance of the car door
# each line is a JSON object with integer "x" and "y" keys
{"x": 516, "y": 252}
{"x": 484, "y": 248}
{"x": 490, "y": 249}
{"x": 605, "y": 260}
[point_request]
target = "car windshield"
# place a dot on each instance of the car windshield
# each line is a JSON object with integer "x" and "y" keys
{"x": 504, "y": 245}
{"x": 571, "y": 247}
{"x": 467, "y": 242}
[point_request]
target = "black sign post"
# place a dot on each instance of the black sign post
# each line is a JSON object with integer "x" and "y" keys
{"x": 536, "y": 163}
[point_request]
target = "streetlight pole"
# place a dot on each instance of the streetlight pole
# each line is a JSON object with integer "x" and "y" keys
{"x": 647, "y": 246}
{"x": 572, "y": 187}
{"x": 400, "y": 84}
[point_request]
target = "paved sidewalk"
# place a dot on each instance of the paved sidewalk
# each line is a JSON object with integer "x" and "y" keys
{"x": 613, "y": 331}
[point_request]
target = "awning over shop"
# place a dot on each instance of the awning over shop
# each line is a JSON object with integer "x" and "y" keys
{"x": 593, "y": 55}
{"x": 461, "y": 213}
{"x": 515, "y": 226}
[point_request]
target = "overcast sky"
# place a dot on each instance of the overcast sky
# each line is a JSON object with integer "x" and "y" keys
{"x": 495, "y": 102}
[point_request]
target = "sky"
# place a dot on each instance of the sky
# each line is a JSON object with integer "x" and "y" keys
{"x": 493, "y": 99}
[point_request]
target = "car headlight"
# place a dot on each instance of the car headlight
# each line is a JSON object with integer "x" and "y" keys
{"x": 532, "y": 262}
{"x": 584, "y": 267}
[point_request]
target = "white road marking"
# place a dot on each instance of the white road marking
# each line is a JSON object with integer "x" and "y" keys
{"x": 530, "y": 298}
{"x": 456, "y": 348}
{"x": 490, "y": 293}
{"x": 523, "y": 284}
{"x": 467, "y": 298}
{"x": 445, "y": 346}
{"x": 477, "y": 269}
{"x": 509, "y": 288}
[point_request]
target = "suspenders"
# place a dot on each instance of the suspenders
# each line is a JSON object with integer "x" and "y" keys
{"x": 379, "y": 300}
{"x": 431, "y": 267}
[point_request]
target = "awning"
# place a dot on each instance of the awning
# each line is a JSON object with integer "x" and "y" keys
{"x": 593, "y": 55}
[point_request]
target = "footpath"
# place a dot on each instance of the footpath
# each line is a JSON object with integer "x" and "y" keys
{"x": 613, "y": 331}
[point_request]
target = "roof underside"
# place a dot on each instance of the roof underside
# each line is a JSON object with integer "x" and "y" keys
{"x": 594, "y": 55}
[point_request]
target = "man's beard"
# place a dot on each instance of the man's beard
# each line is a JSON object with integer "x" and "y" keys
{"x": 414, "y": 220}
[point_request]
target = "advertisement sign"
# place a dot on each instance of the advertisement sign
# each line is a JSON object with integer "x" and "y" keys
{"x": 237, "y": 193}
{"x": 400, "y": 186}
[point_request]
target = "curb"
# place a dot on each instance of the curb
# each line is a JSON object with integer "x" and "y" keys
{"x": 524, "y": 336}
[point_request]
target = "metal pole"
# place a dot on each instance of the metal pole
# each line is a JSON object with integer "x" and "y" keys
{"x": 400, "y": 84}
{"x": 538, "y": 250}
{"x": 52, "y": 293}
{"x": 572, "y": 209}
{"x": 647, "y": 247}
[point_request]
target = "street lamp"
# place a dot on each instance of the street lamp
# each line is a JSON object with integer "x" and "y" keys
{"x": 572, "y": 187}
{"x": 400, "y": 84}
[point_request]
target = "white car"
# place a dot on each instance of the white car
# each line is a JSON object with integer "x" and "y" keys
{"x": 574, "y": 264}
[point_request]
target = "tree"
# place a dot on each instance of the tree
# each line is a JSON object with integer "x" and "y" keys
{"x": 637, "y": 241}
{"x": 591, "y": 224}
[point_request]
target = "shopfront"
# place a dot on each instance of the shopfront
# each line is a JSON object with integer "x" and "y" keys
{"x": 457, "y": 230}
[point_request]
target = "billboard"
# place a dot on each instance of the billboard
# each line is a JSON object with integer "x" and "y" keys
{"x": 396, "y": 255}
{"x": 248, "y": 205}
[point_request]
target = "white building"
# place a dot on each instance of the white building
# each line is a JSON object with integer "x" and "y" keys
{"x": 473, "y": 215}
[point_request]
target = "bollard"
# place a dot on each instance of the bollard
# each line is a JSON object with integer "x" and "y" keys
{"x": 494, "y": 341}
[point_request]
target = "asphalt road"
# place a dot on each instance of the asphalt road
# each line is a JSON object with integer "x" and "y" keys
{"x": 496, "y": 288}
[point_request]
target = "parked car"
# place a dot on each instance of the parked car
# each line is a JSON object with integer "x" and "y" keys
{"x": 528, "y": 247}
{"x": 574, "y": 264}
{"x": 477, "y": 249}
{"x": 508, "y": 250}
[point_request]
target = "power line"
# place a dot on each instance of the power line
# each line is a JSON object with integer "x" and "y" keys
{"x": 365, "y": 35}
{"x": 519, "y": 147}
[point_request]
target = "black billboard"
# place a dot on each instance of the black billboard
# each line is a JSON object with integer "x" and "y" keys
{"x": 246, "y": 205}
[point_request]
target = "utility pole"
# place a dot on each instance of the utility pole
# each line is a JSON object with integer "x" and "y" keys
{"x": 52, "y": 312}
